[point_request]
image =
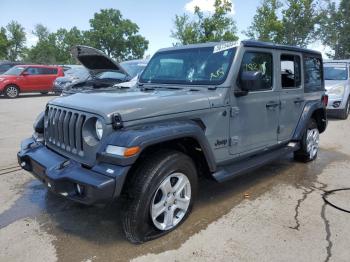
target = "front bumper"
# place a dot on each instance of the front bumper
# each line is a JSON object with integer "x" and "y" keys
{"x": 100, "y": 184}
{"x": 336, "y": 103}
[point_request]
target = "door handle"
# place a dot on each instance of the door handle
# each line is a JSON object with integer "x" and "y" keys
{"x": 272, "y": 104}
{"x": 299, "y": 101}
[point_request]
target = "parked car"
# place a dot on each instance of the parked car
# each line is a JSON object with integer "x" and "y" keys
{"x": 6, "y": 65}
{"x": 104, "y": 71}
{"x": 74, "y": 74}
{"x": 134, "y": 69}
{"x": 214, "y": 109}
{"x": 336, "y": 73}
{"x": 28, "y": 78}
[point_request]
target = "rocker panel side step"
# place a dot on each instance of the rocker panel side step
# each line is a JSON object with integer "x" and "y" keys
{"x": 243, "y": 166}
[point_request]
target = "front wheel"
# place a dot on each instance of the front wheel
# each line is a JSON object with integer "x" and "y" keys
{"x": 11, "y": 91}
{"x": 309, "y": 145}
{"x": 160, "y": 196}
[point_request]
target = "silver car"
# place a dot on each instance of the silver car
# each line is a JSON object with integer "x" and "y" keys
{"x": 336, "y": 74}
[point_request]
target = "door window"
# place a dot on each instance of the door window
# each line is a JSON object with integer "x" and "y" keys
{"x": 256, "y": 73}
{"x": 32, "y": 71}
{"x": 48, "y": 71}
{"x": 313, "y": 74}
{"x": 290, "y": 71}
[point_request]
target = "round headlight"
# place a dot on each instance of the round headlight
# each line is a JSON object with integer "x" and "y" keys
{"x": 99, "y": 128}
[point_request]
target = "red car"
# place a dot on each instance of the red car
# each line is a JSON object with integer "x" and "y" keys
{"x": 29, "y": 78}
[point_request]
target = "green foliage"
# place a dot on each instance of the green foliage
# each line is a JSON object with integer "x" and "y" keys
{"x": 266, "y": 26}
{"x": 335, "y": 27}
{"x": 299, "y": 21}
{"x": 4, "y": 43}
{"x": 291, "y": 22}
{"x": 116, "y": 36}
{"x": 201, "y": 28}
{"x": 16, "y": 40}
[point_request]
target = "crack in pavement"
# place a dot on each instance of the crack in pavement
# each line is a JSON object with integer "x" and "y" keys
{"x": 328, "y": 232}
{"x": 323, "y": 216}
{"x": 326, "y": 224}
{"x": 297, "y": 207}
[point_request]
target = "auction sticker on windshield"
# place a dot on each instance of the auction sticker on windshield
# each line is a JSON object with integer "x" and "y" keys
{"x": 223, "y": 47}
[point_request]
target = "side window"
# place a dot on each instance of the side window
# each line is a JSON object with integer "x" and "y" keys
{"x": 33, "y": 71}
{"x": 290, "y": 71}
{"x": 313, "y": 74}
{"x": 256, "y": 73}
{"x": 47, "y": 71}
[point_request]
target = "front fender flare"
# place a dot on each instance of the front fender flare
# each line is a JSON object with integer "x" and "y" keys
{"x": 155, "y": 133}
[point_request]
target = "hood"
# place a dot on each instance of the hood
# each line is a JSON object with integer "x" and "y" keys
{"x": 333, "y": 83}
{"x": 135, "y": 104}
{"x": 95, "y": 60}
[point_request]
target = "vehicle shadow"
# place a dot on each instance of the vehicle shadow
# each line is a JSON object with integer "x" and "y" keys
{"x": 93, "y": 227}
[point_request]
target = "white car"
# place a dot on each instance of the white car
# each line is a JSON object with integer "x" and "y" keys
{"x": 336, "y": 74}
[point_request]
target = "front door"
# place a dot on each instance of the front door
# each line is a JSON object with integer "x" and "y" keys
{"x": 254, "y": 117}
{"x": 291, "y": 94}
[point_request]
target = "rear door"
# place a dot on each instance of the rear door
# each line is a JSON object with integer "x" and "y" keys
{"x": 48, "y": 76}
{"x": 291, "y": 93}
{"x": 254, "y": 117}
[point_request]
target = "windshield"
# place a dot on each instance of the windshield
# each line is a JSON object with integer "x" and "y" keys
{"x": 193, "y": 66}
{"x": 134, "y": 68}
{"x": 15, "y": 71}
{"x": 78, "y": 72}
{"x": 110, "y": 75}
{"x": 335, "y": 73}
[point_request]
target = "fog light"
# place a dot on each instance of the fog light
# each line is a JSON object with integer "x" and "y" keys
{"x": 23, "y": 164}
{"x": 79, "y": 189}
{"x": 336, "y": 104}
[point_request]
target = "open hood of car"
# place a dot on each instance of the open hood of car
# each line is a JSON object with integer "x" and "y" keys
{"x": 95, "y": 60}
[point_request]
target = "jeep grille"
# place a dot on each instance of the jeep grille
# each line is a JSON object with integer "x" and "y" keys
{"x": 63, "y": 129}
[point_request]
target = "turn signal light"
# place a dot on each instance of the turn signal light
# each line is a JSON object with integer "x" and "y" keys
{"x": 131, "y": 151}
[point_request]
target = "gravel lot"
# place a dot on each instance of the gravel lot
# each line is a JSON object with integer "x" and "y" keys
{"x": 273, "y": 214}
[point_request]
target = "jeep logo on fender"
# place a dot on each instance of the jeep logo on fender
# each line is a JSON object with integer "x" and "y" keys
{"x": 220, "y": 143}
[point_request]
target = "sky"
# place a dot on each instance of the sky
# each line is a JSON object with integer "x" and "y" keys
{"x": 154, "y": 17}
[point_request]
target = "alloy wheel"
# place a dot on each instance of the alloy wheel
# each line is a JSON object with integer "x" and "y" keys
{"x": 12, "y": 91}
{"x": 313, "y": 141}
{"x": 171, "y": 201}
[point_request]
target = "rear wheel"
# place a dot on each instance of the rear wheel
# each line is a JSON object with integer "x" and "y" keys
{"x": 11, "y": 91}
{"x": 344, "y": 113}
{"x": 309, "y": 144}
{"x": 160, "y": 196}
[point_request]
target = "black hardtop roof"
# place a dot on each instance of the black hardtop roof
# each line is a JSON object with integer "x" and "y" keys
{"x": 253, "y": 43}
{"x": 247, "y": 43}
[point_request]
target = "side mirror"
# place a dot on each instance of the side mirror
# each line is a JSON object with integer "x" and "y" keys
{"x": 250, "y": 80}
{"x": 25, "y": 74}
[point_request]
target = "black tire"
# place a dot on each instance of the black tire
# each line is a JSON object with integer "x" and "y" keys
{"x": 303, "y": 154}
{"x": 344, "y": 113}
{"x": 137, "y": 223}
{"x": 11, "y": 91}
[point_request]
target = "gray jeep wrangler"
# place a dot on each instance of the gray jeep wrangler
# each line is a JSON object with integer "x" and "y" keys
{"x": 214, "y": 109}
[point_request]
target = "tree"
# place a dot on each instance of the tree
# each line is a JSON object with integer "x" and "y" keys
{"x": 16, "y": 39}
{"x": 335, "y": 27}
{"x": 291, "y": 22}
{"x": 218, "y": 26}
{"x": 116, "y": 36}
{"x": 4, "y": 43}
{"x": 299, "y": 21}
{"x": 266, "y": 26}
